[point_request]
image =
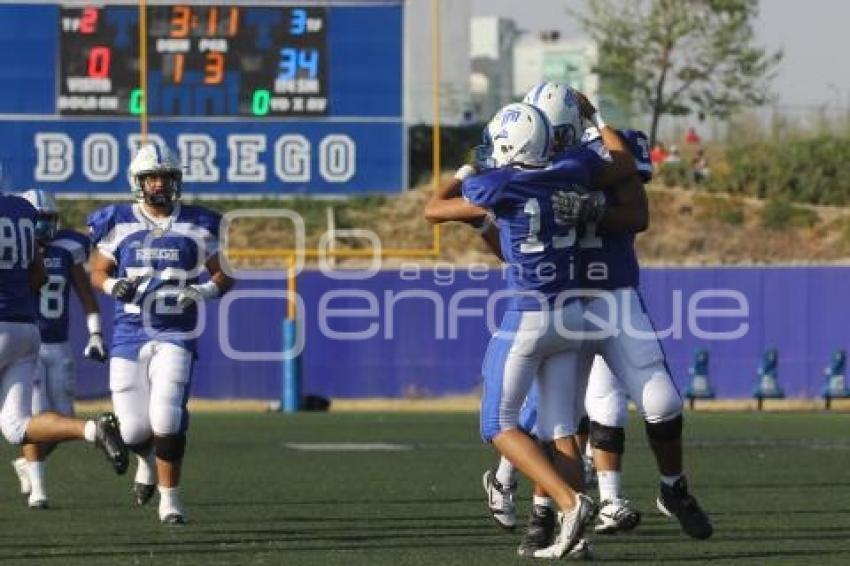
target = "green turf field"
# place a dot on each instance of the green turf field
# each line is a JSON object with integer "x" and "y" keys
{"x": 777, "y": 486}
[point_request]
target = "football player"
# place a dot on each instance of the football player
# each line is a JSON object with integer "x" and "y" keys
{"x": 539, "y": 337}
{"x": 610, "y": 265}
{"x": 149, "y": 256}
{"x": 64, "y": 253}
{"x": 559, "y": 104}
{"x": 21, "y": 275}
{"x": 561, "y": 107}
{"x": 638, "y": 368}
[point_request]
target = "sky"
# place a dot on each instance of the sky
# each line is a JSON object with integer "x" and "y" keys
{"x": 812, "y": 34}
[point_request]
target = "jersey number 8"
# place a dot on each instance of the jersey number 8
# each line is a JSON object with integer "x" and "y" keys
{"x": 52, "y": 297}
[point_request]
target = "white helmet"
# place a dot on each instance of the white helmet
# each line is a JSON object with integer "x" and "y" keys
{"x": 560, "y": 105}
{"x": 518, "y": 134}
{"x": 153, "y": 160}
{"x": 47, "y": 221}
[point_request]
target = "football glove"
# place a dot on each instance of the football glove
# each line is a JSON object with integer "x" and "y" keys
{"x": 124, "y": 289}
{"x": 573, "y": 208}
{"x": 95, "y": 350}
{"x": 196, "y": 294}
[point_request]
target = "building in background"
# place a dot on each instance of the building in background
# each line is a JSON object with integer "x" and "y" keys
{"x": 486, "y": 62}
{"x": 548, "y": 56}
{"x": 507, "y": 62}
{"x": 455, "y": 104}
{"x": 491, "y": 83}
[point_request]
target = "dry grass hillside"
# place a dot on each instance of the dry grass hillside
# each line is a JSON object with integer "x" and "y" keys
{"x": 687, "y": 228}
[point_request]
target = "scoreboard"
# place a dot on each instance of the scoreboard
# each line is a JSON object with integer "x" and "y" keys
{"x": 257, "y": 98}
{"x": 205, "y": 61}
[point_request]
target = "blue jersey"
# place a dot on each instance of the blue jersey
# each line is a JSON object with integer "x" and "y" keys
{"x": 609, "y": 261}
{"x": 66, "y": 250}
{"x": 17, "y": 252}
{"x": 167, "y": 255}
{"x": 540, "y": 252}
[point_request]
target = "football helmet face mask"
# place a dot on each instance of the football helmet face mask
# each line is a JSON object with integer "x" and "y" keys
{"x": 152, "y": 163}
{"x": 519, "y": 134}
{"x": 560, "y": 105}
{"x": 47, "y": 220}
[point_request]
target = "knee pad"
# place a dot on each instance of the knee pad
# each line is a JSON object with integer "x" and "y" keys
{"x": 583, "y": 425}
{"x": 170, "y": 447}
{"x": 665, "y": 431}
{"x": 607, "y": 438}
{"x": 142, "y": 448}
{"x": 660, "y": 400}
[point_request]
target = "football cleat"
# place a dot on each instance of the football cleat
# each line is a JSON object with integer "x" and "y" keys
{"x": 174, "y": 520}
{"x": 171, "y": 511}
{"x": 500, "y": 500}
{"x": 143, "y": 492}
{"x": 20, "y": 466}
{"x": 540, "y": 532}
{"x": 616, "y": 516}
{"x": 109, "y": 440}
{"x": 40, "y": 503}
{"x": 676, "y": 502}
{"x": 581, "y": 551}
{"x": 572, "y": 529}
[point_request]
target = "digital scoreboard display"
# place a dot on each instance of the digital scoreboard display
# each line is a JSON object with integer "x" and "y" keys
{"x": 211, "y": 60}
{"x": 257, "y": 97}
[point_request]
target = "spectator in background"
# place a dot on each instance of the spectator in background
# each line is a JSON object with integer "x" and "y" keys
{"x": 692, "y": 137}
{"x": 673, "y": 158}
{"x": 658, "y": 154}
{"x": 699, "y": 167}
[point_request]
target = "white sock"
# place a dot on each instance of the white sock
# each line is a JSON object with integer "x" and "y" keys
{"x": 610, "y": 485}
{"x": 506, "y": 472}
{"x": 146, "y": 469}
{"x": 36, "y": 473}
{"x": 670, "y": 480}
{"x": 169, "y": 500}
{"x": 90, "y": 431}
{"x": 544, "y": 501}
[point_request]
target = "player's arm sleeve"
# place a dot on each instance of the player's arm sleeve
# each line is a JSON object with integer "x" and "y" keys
{"x": 101, "y": 225}
{"x": 483, "y": 191}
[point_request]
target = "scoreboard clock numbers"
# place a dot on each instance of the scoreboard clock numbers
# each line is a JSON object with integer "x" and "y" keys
{"x": 236, "y": 61}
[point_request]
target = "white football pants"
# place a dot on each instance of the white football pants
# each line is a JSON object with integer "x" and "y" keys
{"x": 149, "y": 394}
{"x": 529, "y": 345}
{"x": 632, "y": 363}
{"x": 19, "y": 344}
{"x": 54, "y": 380}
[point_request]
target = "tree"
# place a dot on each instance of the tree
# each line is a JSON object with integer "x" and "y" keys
{"x": 676, "y": 57}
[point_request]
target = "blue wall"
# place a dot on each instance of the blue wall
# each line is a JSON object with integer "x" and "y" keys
{"x": 801, "y": 311}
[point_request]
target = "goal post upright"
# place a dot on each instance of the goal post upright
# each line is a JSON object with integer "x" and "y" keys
{"x": 290, "y": 390}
